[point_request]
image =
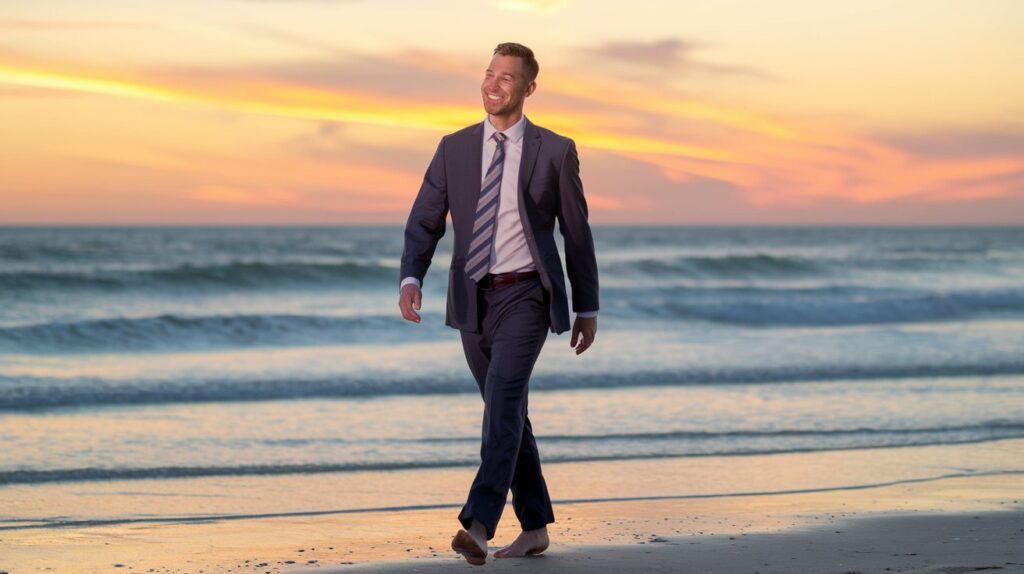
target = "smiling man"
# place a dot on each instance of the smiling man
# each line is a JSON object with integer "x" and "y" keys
{"x": 506, "y": 182}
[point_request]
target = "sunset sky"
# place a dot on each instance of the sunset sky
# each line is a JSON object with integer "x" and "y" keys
{"x": 327, "y": 112}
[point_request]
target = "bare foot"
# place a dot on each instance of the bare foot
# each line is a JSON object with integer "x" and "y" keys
{"x": 472, "y": 543}
{"x": 528, "y": 543}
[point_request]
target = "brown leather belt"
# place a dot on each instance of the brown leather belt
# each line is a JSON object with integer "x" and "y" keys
{"x": 492, "y": 281}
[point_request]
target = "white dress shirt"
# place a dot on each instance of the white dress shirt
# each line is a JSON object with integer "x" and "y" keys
{"x": 509, "y": 250}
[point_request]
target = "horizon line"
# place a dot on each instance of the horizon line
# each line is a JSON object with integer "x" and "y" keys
{"x": 592, "y": 225}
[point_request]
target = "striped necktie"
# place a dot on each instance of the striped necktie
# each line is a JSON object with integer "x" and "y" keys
{"x": 478, "y": 259}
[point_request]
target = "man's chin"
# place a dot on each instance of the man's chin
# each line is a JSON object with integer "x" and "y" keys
{"x": 498, "y": 112}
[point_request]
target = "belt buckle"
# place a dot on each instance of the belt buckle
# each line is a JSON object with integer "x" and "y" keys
{"x": 497, "y": 280}
{"x": 500, "y": 280}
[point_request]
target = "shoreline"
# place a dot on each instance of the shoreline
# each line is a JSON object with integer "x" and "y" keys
{"x": 616, "y": 531}
{"x": 18, "y": 525}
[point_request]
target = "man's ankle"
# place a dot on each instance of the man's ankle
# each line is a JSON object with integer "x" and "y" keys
{"x": 478, "y": 528}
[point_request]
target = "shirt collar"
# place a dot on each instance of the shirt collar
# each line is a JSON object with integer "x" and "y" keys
{"x": 514, "y": 132}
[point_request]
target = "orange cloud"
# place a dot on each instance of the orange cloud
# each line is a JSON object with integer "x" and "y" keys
{"x": 601, "y": 201}
{"x": 529, "y": 5}
{"x": 58, "y": 25}
{"x": 769, "y": 161}
{"x": 226, "y": 194}
{"x": 275, "y": 97}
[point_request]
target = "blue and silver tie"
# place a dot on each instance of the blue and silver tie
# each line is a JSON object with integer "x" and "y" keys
{"x": 478, "y": 259}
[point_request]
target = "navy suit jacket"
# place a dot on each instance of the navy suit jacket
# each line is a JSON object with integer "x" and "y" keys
{"x": 550, "y": 190}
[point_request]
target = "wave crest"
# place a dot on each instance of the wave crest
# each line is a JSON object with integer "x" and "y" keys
{"x": 233, "y": 275}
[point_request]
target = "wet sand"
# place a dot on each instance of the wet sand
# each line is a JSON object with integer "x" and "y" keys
{"x": 931, "y": 543}
{"x": 948, "y": 523}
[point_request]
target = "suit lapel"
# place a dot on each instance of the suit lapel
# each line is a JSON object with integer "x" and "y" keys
{"x": 531, "y": 147}
{"x": 475, "y": 154}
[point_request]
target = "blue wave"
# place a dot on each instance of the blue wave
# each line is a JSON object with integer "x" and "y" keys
{"x": 894, "y": 438}
{"x": 997, "y": 427}
{"x": 204, "y": 332}
{"x": 759, "y": 265}
{"x": 108, "y": 274}
{"x": 234, "y": 275}
{"x": 722, "y": 266}
{"x": 826, "y": 306}
{"x": 759, "y": 307}
{"x": 23, "y": 393}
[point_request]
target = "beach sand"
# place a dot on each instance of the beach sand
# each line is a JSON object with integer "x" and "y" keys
{"x": 948, "y": 523}
{"x": 939, "y": 543}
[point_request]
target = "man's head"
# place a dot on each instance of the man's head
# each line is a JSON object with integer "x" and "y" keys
{"x": 509, "y": 80}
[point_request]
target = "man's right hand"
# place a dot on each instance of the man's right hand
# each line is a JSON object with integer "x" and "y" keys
{"x": 410, "y": 297}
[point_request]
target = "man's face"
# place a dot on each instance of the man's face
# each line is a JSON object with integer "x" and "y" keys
{"x": 504, "y": 88}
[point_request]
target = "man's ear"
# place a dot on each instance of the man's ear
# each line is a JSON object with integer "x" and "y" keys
{"x": 531, "y": 88}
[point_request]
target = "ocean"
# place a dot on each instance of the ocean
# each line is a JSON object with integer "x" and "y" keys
{"x": 131, "y": 354}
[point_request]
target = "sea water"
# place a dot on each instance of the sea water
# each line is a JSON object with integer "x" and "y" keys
{"x": 183, "y": 352}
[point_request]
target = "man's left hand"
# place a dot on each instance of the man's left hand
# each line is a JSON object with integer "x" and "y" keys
{"x": 583, "y": 330}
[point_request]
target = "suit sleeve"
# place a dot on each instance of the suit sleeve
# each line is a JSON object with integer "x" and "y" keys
{"x": 580, "y": 260}
{"x": 426, "y": 223}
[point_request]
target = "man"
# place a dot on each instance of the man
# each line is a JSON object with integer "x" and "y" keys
{"x": 506, "y": 183}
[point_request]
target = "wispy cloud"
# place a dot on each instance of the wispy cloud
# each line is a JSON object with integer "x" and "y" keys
{"x": 529, "y": 5}
{"x": 18, "y": 91}
{"x": 952, "y": 143}
{"x": 669, "y": 54}
{"x": 336, "y": 143}
{"x": 293, "y": 39}
{"x": 302, "y": 1}
{"x": 243, "y": 91}
{"x": 229, "y": 194}
{"x": 678, "y": 147}
{"x": 376, "y": 92}
{"x": 62, "y": 25}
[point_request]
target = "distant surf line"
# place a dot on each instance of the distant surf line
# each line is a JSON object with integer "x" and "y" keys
{"x": 47, "y": 523}
{"x": 25, "y": 394}
{"x": 89, "y": 474}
